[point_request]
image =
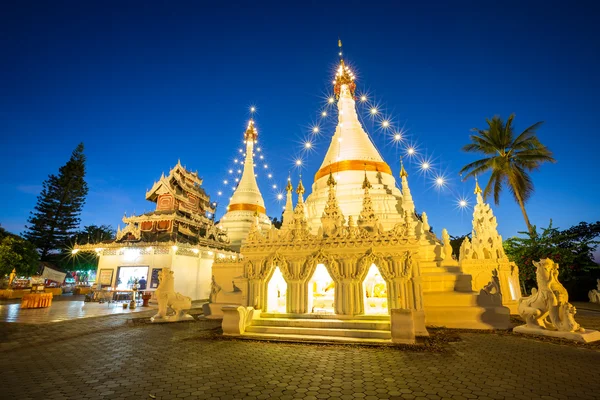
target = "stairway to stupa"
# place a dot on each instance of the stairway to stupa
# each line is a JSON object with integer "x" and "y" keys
{"x": 320, "y": 328}
{"x": 449, "y": 301}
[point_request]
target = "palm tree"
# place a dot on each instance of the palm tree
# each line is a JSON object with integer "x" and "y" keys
{"x": 508, "y": 158}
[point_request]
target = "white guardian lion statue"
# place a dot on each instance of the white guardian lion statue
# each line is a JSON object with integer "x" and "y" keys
{"x": 168, "y": 298}
{"x": 548, "y": 307}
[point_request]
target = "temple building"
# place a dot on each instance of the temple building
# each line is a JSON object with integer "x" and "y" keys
{"x": 247, "y": 201}
{"x": 354, "y": 255}
{"x": 179, "y": 234}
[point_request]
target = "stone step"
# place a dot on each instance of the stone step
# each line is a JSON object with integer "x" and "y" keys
{"x": 305, "y": 331}
{"x": 313, "y": 338}
{"x": 366, "y": 317}
{"x": 383, "y": 325}
{"x": 468, "y": 317}
{"x": 445, "y": 281}
{"x": 454, "y": 299}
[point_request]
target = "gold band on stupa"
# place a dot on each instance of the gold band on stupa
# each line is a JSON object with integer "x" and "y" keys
{"x": 246, "y": 207}
{"x": 353, "y": 165}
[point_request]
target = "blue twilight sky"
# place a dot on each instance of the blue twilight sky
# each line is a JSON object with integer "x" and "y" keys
{"x": 144, "y": 84}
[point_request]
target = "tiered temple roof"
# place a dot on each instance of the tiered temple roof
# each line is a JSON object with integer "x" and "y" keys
{"x": 181, "y": 212}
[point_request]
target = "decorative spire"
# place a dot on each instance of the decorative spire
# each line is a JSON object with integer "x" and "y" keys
{"x": 300, "y": 211}
{"x": 332, "y": 217}
{"x": 343, "y": 76}
{"x": 478, "y": 191}
{"x": 251, "y": 132}
{"x": 247, "y": 198}
{"x": 485, "y": 240}
{"x": 288, "y": 213}
{"x": 366, "y": 184}
{"x": 403, "y": 173}
{"x": 477, "y": 188}
{"x": 330, "y": 181}
{"x": 407, "y": 201}
{"x": 300, "y": 189}
{"x": 367, "y": 217}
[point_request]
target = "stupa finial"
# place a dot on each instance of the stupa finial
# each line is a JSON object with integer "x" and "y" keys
{"x": 477, "y": 188}
{"x": 366, "y": 184}
{"x": 343, "y": 76}
{"x": 403, "y": 173}
{"x": 300, "y": 188}
{"x": 330, "y": 181}
{"x": 289, "y": 186}
{"x": 251, "y": 133}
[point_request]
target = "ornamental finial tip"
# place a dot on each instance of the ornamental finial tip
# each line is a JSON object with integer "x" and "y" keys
{"x": 300, "y": 189}
{"x": 477, "y": 188}
{"x": 330, "y": 181}
{"x": 403, "y": 173}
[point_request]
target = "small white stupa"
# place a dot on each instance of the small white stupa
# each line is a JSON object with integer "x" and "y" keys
{"x": 247, "y": 199}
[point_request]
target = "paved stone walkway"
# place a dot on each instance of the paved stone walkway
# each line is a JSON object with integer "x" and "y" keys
{"x": 118, "y": 358}
{"x": 60, "y": 310}
{"x": 67, "y": 308}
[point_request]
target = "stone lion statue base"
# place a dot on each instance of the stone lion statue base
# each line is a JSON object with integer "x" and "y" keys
{"x": 172, "y": 306}
{"x": 548, "y": 311}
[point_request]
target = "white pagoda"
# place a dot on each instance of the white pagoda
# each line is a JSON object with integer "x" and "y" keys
{"x": 351, "y": 154}
{"x": 247, "y": 201}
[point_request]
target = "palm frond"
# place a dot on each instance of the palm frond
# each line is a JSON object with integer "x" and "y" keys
{"x": 480, "y": 165}
{"x": 520, "y": 183}
{"x": 494, "y": 185}
{"x": 527, "y": 133}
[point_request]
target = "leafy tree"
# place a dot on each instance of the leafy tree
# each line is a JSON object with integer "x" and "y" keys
{"x": 456, "y": 242}
{"x": 58, "y": 206}
{"x": 83, "y": 261}
{"x": 509, "y": 158}
{"x": 572, "y": 248}
{"x": 17, "y": 253}
{"x": 276, "y": 223}
{"x": 94, "y": 234}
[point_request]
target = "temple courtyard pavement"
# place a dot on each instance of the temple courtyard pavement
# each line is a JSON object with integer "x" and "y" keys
{"x": 123, "y": 356}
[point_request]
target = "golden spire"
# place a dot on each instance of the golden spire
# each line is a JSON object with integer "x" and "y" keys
{"x": 477, "y": 188}
{"x": 366, "y": 184}
{"x": 300, "y": 188}
{"x": 343, "y": 76}
{"x": 403, "y": 173}
{"x": 289, "y": 186}
{"x": 251, "y": 133}
{"x": 330, "y": 180}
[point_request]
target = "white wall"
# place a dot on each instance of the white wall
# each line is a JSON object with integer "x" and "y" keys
{"x": 193, "y": 274}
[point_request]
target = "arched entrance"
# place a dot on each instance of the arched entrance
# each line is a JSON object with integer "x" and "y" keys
{"x": 375, "y": 292}
{"x": 276, "y": 292}
{"x": 321, "y": 292}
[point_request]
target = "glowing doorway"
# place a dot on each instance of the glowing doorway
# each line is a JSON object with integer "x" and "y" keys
{"x": 276, "y": 292}
{"x": 375, "y": 292}
{"x": 321, "y": 292}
